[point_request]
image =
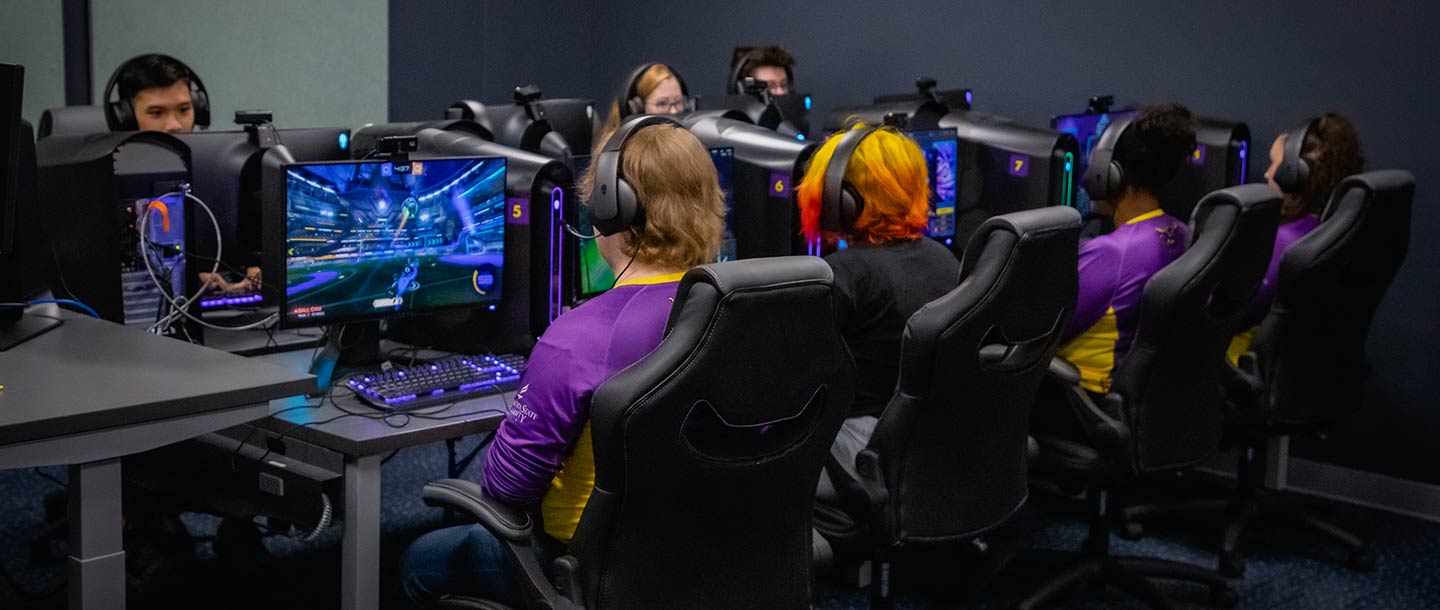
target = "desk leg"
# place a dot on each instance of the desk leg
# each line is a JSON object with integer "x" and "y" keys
{"x": 97, "y": 553}
{"x": 360, "y": 547}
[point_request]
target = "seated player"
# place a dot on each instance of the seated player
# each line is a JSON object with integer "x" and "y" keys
{"x": 651, "y": 89}
{"x": 158, "y": 88}
{"x": 1331, "y": 150}
{"x": 772, "y": 65}
{"x": 1115, "y": 267}
{"x": 542, "y": 451}
{"x": 889, "y": 270}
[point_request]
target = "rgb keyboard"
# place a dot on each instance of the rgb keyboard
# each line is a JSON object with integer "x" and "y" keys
{"x": 447, "y": 380}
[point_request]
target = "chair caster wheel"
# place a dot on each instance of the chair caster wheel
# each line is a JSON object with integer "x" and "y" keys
{"x": 1132, "y": 531}
{"x": 1231, "y": 565}
{"x": 1361, "y": 562}
{"x": 1224, "y": 597}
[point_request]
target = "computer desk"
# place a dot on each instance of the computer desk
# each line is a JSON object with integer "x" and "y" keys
{"x": 89, "y": 392}
{"x": 364, "y": 442}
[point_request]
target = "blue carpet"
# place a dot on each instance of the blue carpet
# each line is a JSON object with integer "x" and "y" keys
{"x": 1286, "y": 571}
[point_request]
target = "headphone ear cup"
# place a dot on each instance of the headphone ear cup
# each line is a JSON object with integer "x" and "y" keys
{"x": 200, "y": 101}
{"x": 1114, "y": 180}
{"x": 851, "y": 204}
{"x": 122, "y": 116}
{"x": 628, "y": 212}
{"x": 635, "y": 105}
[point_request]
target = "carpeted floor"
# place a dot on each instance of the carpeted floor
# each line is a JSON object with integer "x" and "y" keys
{"x": 1285, "y": 570}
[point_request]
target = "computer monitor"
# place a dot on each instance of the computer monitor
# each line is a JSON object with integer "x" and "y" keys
{"x": 1087, "y": 129}
{"x": 17, "y": 179}
{"x": 12, "y": 82}
{"x": 367, "y": 240}
{"x": 595, "y": 277}
{"x": 941, "y": 148}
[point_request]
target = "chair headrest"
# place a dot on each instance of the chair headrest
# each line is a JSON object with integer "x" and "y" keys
{"x": 726, "y": 279}
{"x": 1379, "y": 181}
{"x": 1250, "y": 199}
{"x": 72, "y": 121}
{"x": 1024, "y": 225}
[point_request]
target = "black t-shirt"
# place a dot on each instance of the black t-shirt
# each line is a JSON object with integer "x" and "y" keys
{"x": 877, "y": 288}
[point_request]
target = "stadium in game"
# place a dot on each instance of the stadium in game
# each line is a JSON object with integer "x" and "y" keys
{"x": 372, "y": 238}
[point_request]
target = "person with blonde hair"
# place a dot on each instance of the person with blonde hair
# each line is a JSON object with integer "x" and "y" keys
{"x": 868, "y": 187}
{"x": 542, "y": 452}
{"x": 651, "y": 88}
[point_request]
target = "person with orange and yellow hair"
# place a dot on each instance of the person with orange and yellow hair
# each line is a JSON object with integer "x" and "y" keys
{"x": 887, "y": 268}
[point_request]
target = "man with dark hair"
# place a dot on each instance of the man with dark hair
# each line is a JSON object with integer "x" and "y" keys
{"x": 773, "y": 65}
{"x": 158, "y": 88}
{"x": 1114, "y": 267}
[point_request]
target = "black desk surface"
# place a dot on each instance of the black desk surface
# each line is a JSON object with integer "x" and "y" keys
{"x": 90, "y": 374}
{"x": 358, "y": 429}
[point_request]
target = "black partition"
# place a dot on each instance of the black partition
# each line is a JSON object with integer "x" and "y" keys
{"x": 768, "y": 166}
{"x": 1006, "y": 166}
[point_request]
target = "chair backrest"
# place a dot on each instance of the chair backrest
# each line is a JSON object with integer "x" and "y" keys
{"x": 72, "y": 121}
{"x": 1170, "y": 380}
{"x": 708, "y": 450}
{"x": 1312, "y": 344}
{"x": 952, "y": 441}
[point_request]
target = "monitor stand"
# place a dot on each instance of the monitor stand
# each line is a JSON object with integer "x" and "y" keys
{"x": 22, "y": 329}
{"x": 355, "y": 343}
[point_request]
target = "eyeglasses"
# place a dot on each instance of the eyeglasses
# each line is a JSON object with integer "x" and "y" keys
{"x": 673, "y": 106}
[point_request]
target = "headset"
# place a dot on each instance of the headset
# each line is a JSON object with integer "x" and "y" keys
{"x": 737, "y": 71}
{"x": 629, "y": 100}
{"x": 120, "y": 115}
{"x": 1105, "y": 177}
{"x": 840, "y": 202}
{"x": 1294, "y": 171}
{"x": 613, "y": 204}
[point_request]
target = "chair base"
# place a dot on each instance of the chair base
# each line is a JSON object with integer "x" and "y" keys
{"x": 1131, "y": 575}
{"x": 460, "y": 602}
{"x": 1240, "y": 515}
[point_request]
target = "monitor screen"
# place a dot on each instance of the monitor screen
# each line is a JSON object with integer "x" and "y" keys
{"x": 1087, "y": 129}
{"x": 597, "y": 277}
{"x": 941, "y": 147}
{"x": 374, "y": 239}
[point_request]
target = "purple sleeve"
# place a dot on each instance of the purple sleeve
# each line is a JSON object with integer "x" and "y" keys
{"x": 541, "y": 426}
{"x": 1099, "y": 269}
{"x": 1265, "y": 294}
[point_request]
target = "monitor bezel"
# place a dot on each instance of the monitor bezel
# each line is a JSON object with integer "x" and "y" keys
{"x": 287, "y": 321}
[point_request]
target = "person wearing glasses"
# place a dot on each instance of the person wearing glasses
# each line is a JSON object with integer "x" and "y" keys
{"x": 651, "y": 88}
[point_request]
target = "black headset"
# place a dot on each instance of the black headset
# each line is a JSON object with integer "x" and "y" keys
{"x": 840, "y": 202}
{"x": 737, "y": 72}
{"x": 613, "y": 204}
{"x": 120, "y": 114}
{"x": 629, "y": 100}
{"x": 1294, "y": 170}
{"x": 1105, "y": 177}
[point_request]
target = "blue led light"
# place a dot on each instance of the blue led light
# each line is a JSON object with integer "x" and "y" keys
{"x": 969, "y": 97}
{"x": 1067, "y": 166}
{"x": 800, "y": 136}
{"x": 344, "y": 141}
{"x": 808, "y": 102}
{"x": 949, "y": 241}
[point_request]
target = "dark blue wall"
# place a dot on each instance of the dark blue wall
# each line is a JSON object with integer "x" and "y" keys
{"x": 1268, "y": 63}
{"x": 446, "y": 50}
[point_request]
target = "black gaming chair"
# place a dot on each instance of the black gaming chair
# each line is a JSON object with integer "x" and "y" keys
{"x": 1309, "y": 369}
{"x": 948, "y": 459}
{"x": 707, "y": 453}
{"x": 1165, "y": 411}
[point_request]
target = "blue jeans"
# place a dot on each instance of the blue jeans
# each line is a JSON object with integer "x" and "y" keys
{"x": 467, "y": 560}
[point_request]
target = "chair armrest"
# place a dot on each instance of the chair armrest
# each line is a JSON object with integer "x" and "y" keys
{"x": 509, "y": 523}
{"x": 872, "y": 481}
{"x": 1064, "y": 371}
{"x": 513, "y": 526}
{"x": 1101, "y": 422}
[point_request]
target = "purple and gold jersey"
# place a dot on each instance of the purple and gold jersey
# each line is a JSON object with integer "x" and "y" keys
{"x": 1113, "y": 272}
{"x": 543, "y": 449}
{"x": 1288, "y": 234}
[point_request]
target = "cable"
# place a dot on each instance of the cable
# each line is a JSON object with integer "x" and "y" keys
{"x": 181, "y": 307}
{"x": 327, "y": 513}
{"x": 51, "y": 477}
{"x": 571, "y": 229}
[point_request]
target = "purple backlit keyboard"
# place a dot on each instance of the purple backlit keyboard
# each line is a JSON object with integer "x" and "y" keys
{"x": 447, "y": 380}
